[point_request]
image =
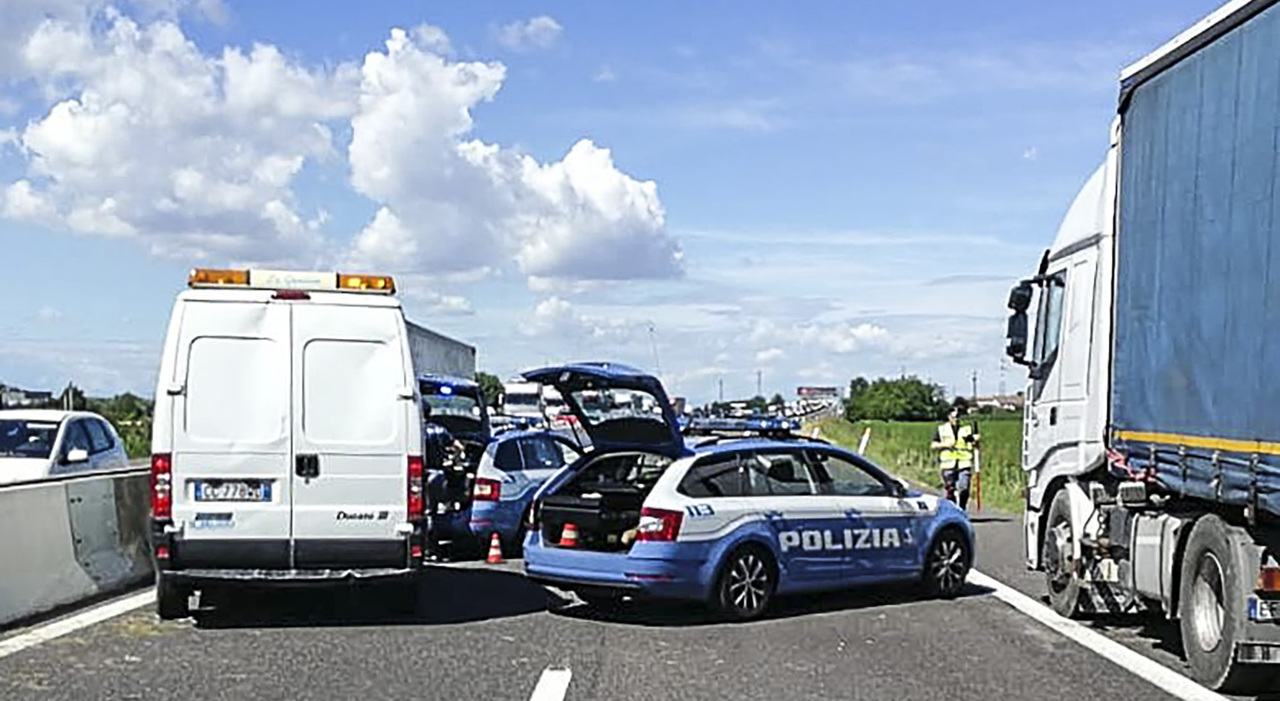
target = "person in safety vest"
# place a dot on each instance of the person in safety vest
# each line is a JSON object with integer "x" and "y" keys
{"x": 955, "y": 445}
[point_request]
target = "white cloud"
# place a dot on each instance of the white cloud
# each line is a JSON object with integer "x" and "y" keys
{"x": 48, "y": 315}
{"x": 1031, "y": 154}
{"x": 770, "y": 355}
{"x": 191, "y": 154}
{"x": 540, "y": 32}
{"x": 604, "y": 75}
{"x": 453, "y": 204}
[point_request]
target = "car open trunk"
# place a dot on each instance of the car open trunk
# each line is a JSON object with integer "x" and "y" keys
{"x": 602, "y": 501}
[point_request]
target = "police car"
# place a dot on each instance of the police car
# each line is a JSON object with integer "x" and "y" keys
{"x": 732, "y": 522}
{"x": 511, "y": 470}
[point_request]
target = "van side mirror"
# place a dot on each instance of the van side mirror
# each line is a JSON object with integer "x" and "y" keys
{"x": 78, "y": 455}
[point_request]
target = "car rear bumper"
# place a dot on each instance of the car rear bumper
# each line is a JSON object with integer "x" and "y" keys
{"x": 502, "y": 517}
{"x": 658, "y": 570}
{"x": 287, "y": 576}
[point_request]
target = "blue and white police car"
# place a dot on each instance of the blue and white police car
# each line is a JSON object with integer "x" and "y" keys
{"x": 512, "y": 469}
{"x": 729, "y": 522}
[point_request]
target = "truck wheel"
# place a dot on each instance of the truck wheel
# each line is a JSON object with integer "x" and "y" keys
{"x": 171, "y": 599}
{"x": 746, "y": 583}
{"x": 1056, "y": 554}
{"x": 1210, "y": 617}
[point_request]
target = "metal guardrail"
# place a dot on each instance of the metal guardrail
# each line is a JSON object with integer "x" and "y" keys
{"x": 135, "y": 467}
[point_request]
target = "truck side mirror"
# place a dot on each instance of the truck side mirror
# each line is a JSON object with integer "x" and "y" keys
{"x": 1020, "y": 297}
{"x": 1017, "y": 337}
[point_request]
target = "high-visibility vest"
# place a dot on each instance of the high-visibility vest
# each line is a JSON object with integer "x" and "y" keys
{"x": 960, "y": 456}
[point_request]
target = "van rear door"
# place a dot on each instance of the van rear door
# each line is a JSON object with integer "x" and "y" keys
{"x": 231, "y": 435}
{"x": 353, "y": 408}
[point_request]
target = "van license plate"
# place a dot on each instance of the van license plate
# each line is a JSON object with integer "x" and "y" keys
{"x": 233, "y": 491}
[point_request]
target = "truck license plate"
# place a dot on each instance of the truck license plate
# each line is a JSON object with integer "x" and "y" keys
{"x": 1263, "y": 609}
{"x": 233, "y": 491}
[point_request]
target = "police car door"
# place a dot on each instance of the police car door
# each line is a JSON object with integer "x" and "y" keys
{"x": 809, "y": 527}
{"x": 885, "y": 528}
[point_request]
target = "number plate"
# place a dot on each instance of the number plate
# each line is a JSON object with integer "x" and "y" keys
{"x": 1264, "y": 609}
{"x": 233, "y": 491}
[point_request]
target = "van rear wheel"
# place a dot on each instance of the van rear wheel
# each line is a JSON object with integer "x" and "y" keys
{"x": 171, "y": 599}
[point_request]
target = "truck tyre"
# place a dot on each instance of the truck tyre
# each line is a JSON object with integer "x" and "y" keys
{"x": 1061, "y": 575}
{"x": 746, "y": 583}
{"x": 1211, "y": 619}
{"x": 171, "y": 599}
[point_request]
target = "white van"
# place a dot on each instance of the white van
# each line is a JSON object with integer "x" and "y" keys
{"x": 287, "y": 441}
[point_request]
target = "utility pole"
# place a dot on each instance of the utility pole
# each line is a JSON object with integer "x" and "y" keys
{"x": 722, "y": 389}
{"x": 759, "y": 392}
{"x": 975, "y": 384}
{"x": 657, "y": 364}
{"x": 1003, "y": 367}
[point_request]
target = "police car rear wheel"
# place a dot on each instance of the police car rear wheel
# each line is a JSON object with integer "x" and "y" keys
{"x": 948, "y": 564}
{"x": 746, "y": 584}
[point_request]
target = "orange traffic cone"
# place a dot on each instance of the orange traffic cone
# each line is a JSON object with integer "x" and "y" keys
{"x": 495, "y": 550}
{"x": 569, "y": 536}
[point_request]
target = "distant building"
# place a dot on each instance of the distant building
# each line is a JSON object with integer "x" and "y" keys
{"x": 999, "y": 402}
{"x": 15, "y": 398}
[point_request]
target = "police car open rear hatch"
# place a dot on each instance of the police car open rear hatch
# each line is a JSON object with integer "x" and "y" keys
{"x": 619, "y": 407}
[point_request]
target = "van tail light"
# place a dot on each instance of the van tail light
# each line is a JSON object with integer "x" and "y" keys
{"x": 1269, "y": 578}
{"x": 417, "y": 497}
{"x": 162, "y": 486}
{"x": 659, "y": 525}
{"x": 487, "y": 490}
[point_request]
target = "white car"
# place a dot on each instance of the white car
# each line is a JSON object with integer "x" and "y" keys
{"x": 37, "y": 444}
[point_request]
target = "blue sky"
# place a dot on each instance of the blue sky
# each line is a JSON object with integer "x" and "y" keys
{"x": 707, "y": 189}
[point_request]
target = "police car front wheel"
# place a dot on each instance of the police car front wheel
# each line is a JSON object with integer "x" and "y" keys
{"x": 948, "y": 564}
{"x": 746, "y": 584}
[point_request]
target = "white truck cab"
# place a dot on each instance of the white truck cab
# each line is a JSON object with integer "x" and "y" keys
{"x": 287, "y": 439}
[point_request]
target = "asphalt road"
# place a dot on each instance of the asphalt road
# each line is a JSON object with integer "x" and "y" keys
{"x": 484, "y": 632}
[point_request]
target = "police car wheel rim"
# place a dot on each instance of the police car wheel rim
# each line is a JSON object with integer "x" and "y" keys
{"x": 948, "y": 564}
{"x": 748, "y": 583}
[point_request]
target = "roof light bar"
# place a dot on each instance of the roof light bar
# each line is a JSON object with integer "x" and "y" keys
{"x": 291, "y": 280}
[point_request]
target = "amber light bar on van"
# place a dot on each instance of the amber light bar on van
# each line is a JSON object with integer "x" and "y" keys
{"x": 291, "y": 280}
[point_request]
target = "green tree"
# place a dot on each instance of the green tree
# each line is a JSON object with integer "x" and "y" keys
{"x": 490, "y": 388}
{"x": 900, "y": 399}
{"x": 777, "y": 400}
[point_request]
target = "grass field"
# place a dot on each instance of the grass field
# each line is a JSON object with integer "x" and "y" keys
{"x": 903, "y": 449}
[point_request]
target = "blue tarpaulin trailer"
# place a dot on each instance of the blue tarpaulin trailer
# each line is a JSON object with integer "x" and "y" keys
{"x": 1196, "y": 361}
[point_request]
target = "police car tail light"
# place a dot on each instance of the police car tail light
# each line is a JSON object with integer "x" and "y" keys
{"x": 417, "y": 502}
{"x": 659, "y": 525}
{"x": 162, "y": 486}
{"x": 487, "y": 490}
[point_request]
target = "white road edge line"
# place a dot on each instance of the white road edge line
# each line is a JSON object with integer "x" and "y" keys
{"x": 1140, "y": 665}
{"x": 552, "y": 685}
{"x": 56, "y": 629}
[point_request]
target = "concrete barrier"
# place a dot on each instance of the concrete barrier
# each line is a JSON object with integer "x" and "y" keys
{"x": 67, "y": 540}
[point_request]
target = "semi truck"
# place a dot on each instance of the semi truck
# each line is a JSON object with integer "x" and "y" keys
{"x": 436, "y": 354}
{"x": 1151, "y": 440}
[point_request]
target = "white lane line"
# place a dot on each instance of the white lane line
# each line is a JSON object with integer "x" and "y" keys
{"x": 552, "y": 685}
{"x": 84, "y": 619}
{"x": 1142, "y": 666}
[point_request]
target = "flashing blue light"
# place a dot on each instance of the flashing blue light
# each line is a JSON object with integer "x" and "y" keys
{"x": 446, "y": 389}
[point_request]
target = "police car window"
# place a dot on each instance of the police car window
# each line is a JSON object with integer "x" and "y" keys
{"x": 507, "y": 456}
{"x": 839, "y": 477}
{"x": 778, "y": 474}
{"x": 541, "y": 454}
{"x": 714, "y": 476}
{"x": 97, "y": 436}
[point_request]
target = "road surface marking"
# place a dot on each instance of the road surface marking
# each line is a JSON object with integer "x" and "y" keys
{"x": 84, "y": 619}
{"x": 552, "y": 685}
{"x": 1138, "y": 664}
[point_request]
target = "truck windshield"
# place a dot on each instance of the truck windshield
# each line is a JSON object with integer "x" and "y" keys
{"x": 27, "y": 439}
